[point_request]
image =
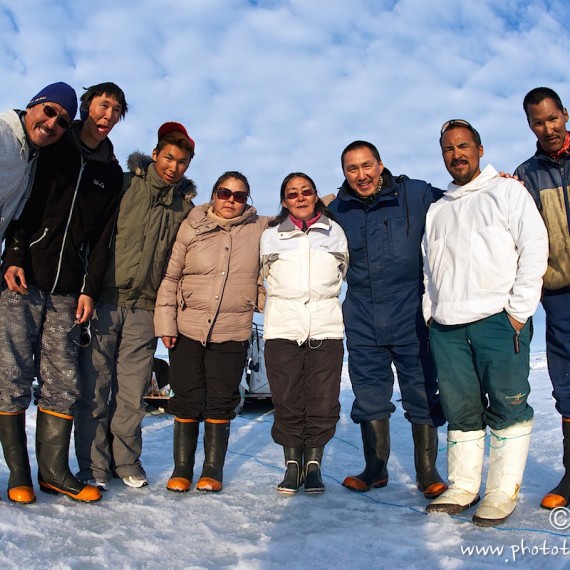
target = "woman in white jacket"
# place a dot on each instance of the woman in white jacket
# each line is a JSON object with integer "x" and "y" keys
{"x": 304, "y": 257}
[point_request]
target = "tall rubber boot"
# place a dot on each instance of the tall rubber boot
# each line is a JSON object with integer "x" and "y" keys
{"x": 560, "y": 495}
{"x": 185, "y": 442}
{"x": 53, "y": 434}
{"x": 428, "y": 479}
{"x": 294, "y": 474}
{"x": 376, "y": 444}
{"x": 313, "y": 480}
{"x": 465, "y": 453}
{"x": 15, "y": 446}
{"x": 216, "y": 436}
{"x": 507, "y": 460}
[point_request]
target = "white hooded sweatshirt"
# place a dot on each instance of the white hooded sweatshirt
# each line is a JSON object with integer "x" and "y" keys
{"x": 485, "y": 250}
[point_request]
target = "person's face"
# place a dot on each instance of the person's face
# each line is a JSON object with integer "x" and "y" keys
{"x": 229, "y": 208}
{"x": 548, "y": 123}
{"x": 300, "y": 206}
{"x": 171, "y": 163}
{"x": 461, "y": 154}
{"x": 43, "y": 130}
{"x": 362, "y": 171}
{"x": 104, "y": 114}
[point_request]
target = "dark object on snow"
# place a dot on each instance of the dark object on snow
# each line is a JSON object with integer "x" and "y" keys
{"x": 185, "y": 442}
{"x": 293, "y": 476}
{"x": 53, "y": 435}
{"x": 376, "y": 443}
{"x": 425, "y": 454}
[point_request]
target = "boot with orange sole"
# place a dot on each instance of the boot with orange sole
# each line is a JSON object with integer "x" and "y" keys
{"x": 216, "y": 436}
{"x": 53, "y": 435}
{"x": 15, "y": 446}
{"x": 560, "y": 495}
{"x": 184, "y": 443}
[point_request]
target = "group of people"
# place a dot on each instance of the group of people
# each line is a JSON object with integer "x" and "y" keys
{"x": 442, "y": 286}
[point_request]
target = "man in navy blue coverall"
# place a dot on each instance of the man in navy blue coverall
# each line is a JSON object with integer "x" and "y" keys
{"x": 383, "y": 217}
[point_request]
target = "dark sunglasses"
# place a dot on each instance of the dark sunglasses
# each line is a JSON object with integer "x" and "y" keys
{"x": 294, "y": 195}
{"x": 50, "y": 113}
{"x": 84, "y": 335}
{"x": 226, "y": 194}
{"x": 460, "y": 123}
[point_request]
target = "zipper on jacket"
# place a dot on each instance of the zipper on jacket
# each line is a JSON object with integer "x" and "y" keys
{"x": 83, "y": 162}
{"x": 565, "y": 190}
{"x": 165, "y": 226}
{"x": 40, "y": 238}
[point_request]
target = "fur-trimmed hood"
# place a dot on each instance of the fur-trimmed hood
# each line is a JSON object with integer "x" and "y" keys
{"x": 138, "y": 163}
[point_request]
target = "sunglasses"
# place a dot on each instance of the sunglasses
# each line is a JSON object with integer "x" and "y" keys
{"x": 84, "y": 335}
{"x": 226, "y": 194}
{"x": 50, "y": 113}
{"x": 460, "y": 123}
{"x": 294, "y": 195}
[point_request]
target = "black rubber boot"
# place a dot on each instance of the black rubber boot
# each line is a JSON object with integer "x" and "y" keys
{"x": 53, "y": 434}
{"x": 185, "y": 442}
{"x": 312, "y": 470}
{"x": 376, "y": 444}
{"x": 294, "y": 474}
{"x": 425, "y": 455}
{"x": 216, "y": 436}
{"x": 15, "y": 446}
{"x": 560, "y": 495}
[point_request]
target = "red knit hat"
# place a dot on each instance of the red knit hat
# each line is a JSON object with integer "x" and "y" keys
{"x": 174, "y": 127}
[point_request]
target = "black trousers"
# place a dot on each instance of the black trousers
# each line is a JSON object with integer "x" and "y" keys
{"x": 305, "y": 387}
{"x": 205, "y": 379}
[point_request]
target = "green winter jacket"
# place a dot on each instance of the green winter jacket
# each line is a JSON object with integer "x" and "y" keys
{"x": 150, "y": 214}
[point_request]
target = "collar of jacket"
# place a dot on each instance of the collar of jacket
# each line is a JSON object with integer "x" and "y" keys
{"x": 541, "y": 155}
{"x": 202, "y": 223}
{"x": 139, "y": 164}
{"x": 288, "y": 227}
{"x": 103, "y": 153}
{"x": 18, "y": 126}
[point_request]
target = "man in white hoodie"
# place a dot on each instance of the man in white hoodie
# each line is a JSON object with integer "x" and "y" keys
{"x": 485, "y": 251}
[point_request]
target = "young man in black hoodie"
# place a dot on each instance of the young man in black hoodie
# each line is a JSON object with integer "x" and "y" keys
{"x": 54, "y": 263}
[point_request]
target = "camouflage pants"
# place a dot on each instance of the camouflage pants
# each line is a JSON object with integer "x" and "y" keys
{"x": 38, "y": 338}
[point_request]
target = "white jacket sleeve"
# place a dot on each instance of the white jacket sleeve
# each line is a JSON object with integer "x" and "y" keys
{"x": 531, "y": 240}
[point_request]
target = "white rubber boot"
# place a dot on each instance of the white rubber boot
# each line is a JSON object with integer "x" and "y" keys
{"x": 465, "y": 452}
{"x": 509, "y": 450}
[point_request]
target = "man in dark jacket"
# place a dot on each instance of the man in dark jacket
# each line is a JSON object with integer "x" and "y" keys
{"x": 546, "y": 176}
{"x": 383, "y": 218}
{"x": 117, "y": 367}
{"x": 55, "y": 258}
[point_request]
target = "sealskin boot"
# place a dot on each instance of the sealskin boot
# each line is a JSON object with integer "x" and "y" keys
{"x": 376, "y": 444}
{"x": 216, "y": 436}
{"x": 465, "y": 452}
{"x": 15, "y": 446}
{"x": 294, "y": 474}
{"x": 507, "y": 460}
{"x": 560, "y": 495}
{"x": 313, "y": 480}
{"x": 425, "y": 455}
{"x": 53, "y": 434}
{"x": 185, "y": 442}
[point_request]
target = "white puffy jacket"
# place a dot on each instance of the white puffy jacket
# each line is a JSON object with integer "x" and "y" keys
{"x": 304, "y": 273}
{"x": 485, "y": 250}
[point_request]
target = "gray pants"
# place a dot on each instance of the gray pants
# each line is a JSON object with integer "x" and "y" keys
{"x": 114, "y": 374}
{"x": 38, "y": 338}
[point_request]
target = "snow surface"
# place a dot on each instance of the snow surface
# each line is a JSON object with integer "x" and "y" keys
{"x": 249, "y": 525}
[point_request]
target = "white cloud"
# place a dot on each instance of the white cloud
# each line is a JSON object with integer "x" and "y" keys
{"x": 268, "y": 87}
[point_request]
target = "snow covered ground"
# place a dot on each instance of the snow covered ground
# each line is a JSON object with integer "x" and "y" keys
{"x": 248, "y": 525}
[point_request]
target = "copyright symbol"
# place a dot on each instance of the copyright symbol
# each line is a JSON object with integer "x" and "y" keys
{"x": 560, "y": 518}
